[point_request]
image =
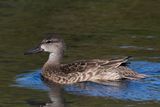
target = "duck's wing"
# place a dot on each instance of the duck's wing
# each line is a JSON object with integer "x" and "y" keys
{"x": 84, "y": 65}
{"x": 117, "y": 70}
{"x": 114, "y": 63}
{"x": 78, "y": 66}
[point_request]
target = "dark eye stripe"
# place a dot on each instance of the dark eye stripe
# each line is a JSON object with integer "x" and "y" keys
{"x": 52, "y": 41}
{"x": 49, "y": 41}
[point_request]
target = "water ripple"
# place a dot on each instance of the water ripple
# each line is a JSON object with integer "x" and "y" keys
{"x": 136, "y": 47}
{"x": 140, "y": 90}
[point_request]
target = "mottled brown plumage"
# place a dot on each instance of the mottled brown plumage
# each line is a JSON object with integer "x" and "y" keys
{"x": 95, "y": 70}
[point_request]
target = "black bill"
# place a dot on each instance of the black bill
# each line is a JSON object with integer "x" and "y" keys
{"x": 34, "y": 51}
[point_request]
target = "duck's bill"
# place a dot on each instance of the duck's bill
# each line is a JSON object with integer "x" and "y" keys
{"x": 34, "y": 51}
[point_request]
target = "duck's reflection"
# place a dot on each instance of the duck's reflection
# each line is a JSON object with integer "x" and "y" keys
{"x": 55, "y": 95}
{"x": 56, "y": 91}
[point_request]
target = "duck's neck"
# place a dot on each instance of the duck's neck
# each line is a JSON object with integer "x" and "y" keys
{"x": 54, "y": 59}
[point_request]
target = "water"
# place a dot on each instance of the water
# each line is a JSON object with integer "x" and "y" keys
{"x": 91, "y": 29}
{"x": 140, "y": 90}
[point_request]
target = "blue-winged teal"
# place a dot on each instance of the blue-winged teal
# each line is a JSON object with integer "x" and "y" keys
{"x": 95, "y": 70}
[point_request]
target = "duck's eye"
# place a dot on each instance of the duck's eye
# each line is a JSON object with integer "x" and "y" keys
{"x": 49, "y": 41}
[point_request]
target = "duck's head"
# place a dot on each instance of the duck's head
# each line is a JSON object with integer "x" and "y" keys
{"x": 51, "y": 44}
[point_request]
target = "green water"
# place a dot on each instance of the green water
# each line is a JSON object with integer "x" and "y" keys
{"x": 91, "y": 29}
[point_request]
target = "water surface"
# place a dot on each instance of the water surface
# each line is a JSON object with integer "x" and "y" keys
{"x": 91, "y": 29}
{"x": 138, "y": 90}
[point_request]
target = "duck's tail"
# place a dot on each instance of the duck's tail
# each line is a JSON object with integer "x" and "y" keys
{"x": 138, "y": 76}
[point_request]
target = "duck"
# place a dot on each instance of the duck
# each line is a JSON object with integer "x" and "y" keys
{"x": 92, "y": 70}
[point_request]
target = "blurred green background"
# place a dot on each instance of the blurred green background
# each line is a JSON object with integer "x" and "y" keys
{"x": 91, "y": 29}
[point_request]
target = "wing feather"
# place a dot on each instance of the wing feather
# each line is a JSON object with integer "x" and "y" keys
{"x": 84, "y": 65}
